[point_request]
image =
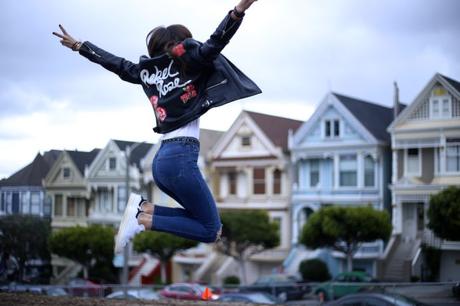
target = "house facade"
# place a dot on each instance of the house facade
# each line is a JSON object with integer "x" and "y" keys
{"x": 115, "y": 170}
{"x": 426, "y": 159}
{"x": 250, "y": 170}
{"x": 23, "y": 193}
{"x": 340, "y": 156}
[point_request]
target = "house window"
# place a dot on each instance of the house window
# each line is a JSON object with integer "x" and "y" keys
{"x": 246, "y": 141}
{"x": 35, "y": 203}
{"x": 66, "y": 172}
{"x": 232, "y": 182}
{"x": 112, "y": 163}
{"x": 121, "y": 198}
{"x": 413, "y": 161}
{"x": 369, "y": 172}
{"x": 277, "y": 181}
{"x": 58, "y": 211}
{"x": 332, "y": 128}
{"x": 71, "y": 207}
{"x": 441, "y": 107}
{"x": 348, "y": 170}
{"x": 259, "y": 180}
{"x": 453, "y": 155}
{"x": 314, "y": 172}
{"x": 3, "y": 203}
{"x": 25, "y": 203}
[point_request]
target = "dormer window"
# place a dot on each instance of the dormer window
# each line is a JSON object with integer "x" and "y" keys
{"x": 332, "y": 128}
{"x": 66, "y": 172}
{"x": 112, "y": 163}
{"x": 246, "y": 141}
{"x": 440, "y": 104}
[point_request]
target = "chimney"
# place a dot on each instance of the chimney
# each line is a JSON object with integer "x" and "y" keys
{"x": 395, "y": 100}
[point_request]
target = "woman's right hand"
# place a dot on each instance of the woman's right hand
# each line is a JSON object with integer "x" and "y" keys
{"x": 67, "y": 40}
{"x": 244, "y": 5}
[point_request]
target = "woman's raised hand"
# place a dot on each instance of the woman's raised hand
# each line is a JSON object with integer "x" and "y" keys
{"x": 67, "y": 40}
{"x": 244, "y": 5}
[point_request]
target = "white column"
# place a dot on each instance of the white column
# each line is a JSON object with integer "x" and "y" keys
{"x": 360, "y": 168}
{"x": 394, "y": 174}
{"x": 336, "y": 170}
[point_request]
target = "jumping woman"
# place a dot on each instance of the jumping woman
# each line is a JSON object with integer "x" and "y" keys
{"x": 183, "y": 79}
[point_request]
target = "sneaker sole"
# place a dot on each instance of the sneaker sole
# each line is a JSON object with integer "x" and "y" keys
{"x": 127, "y": 220}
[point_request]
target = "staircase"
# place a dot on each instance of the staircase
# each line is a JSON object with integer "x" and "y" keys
{"x": 145, "y": 268}
{"x": 396, "y": 266}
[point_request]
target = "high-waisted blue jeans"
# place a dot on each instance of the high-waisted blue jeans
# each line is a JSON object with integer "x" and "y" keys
{"x": 176, "y": 173}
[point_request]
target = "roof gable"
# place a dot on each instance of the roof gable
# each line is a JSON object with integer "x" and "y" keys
{"x": 374, "y": 117}
{"x": 83, "y": 159}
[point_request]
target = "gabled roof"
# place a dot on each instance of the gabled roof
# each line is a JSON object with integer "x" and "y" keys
{"x": 33, "y": 173}
{"x": 452, "y": 82}
{"x": 139, "y": 151}
{"x": 275, "y": 128}
{"x": 83, "y": 159}
{"x": 375, "y": 118}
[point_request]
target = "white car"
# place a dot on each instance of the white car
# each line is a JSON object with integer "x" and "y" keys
{"x": 135, "y": 294}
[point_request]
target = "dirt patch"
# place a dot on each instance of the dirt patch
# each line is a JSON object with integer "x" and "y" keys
{"x": 27, "y": 299}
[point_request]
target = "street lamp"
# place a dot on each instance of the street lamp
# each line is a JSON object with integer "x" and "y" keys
{"x": 128, "y": 151}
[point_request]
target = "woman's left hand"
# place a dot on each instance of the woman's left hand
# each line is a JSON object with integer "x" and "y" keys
{"x": 67, "y": 40}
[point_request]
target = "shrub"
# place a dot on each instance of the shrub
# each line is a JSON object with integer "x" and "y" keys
{"x": 232, "y": 280}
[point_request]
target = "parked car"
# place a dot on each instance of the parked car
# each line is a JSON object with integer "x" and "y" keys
{"x": 135, "y": 294}
{"x": 249, "y": 297}
{"x": 85, "y": 287}
{"x": 376, "y": 299}
{"x": 343, "y": 284}
{"x": 283, "y": 286}
{"x": 456, "y": 290}
{"x": 184, "y": 291}
{"x": 55, "y": 291}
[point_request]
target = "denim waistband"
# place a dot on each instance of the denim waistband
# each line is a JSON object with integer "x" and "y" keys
{"x": 182, "y": 139}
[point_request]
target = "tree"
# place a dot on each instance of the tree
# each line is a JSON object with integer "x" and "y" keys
{"x": 246, "y": 233}
{"x": 163, "y": 246}
{"x": 89, "y": 246}
{"x": 344, "y": 229}
{"x": 25, "y": 237}
{"x": 444, "y": 214}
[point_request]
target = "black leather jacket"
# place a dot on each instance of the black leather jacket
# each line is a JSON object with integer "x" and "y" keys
{"x": 177, "y": 98}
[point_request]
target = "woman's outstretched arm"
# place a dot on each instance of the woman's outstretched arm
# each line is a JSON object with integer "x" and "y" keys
{"x": 225, "y": 31}
{"x": 125, "y": 69}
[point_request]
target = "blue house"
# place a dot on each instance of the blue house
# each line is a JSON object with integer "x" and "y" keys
{"x": 340, "y": 156}
{"x": 23, "y": 192}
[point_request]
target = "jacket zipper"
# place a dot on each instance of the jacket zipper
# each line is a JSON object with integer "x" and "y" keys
{"x": 92, "y": 51}
{"x": 224, "y": 81}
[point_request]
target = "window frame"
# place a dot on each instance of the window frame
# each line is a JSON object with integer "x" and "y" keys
{"x": 355, "y": 171}
{"x": 406, "y": 159}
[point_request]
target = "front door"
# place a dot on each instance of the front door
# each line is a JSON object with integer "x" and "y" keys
{"x": 413, "y": 220}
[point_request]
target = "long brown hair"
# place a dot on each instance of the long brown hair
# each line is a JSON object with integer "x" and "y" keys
{"x": 162, "y": 39}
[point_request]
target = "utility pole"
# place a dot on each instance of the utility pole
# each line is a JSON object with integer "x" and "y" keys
{"x": 128, "y": 151}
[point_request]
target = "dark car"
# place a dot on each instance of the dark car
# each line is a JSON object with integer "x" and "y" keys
{"x": 376, "y": 299}
{"x": 282, "y": 286}
{"x": 344, "y": 284}
{"x": 248, "y": 297}
{"x": 456, "y": 290}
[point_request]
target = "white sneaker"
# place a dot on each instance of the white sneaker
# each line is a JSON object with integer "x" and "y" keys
{"x": 128, "y": 225}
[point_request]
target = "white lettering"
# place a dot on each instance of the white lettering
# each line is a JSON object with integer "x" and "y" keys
{"x": 160, "y": 79}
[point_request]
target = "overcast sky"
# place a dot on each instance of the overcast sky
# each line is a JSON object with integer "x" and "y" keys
{"x": 295, "y": 50}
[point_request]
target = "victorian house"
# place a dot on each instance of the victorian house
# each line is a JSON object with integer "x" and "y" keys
{"x": 23, "y": 193}
{"x": 250, "y": 170}
{"x": 425, "y": 140}
{"x": 115, "y": 173}
{"x": 67, "y": 188}
{"x": 340, "y": 156}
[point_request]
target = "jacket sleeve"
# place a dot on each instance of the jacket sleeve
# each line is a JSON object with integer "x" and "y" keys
{"x": 209, "y": 50}
{"x": 125, "y": 69}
